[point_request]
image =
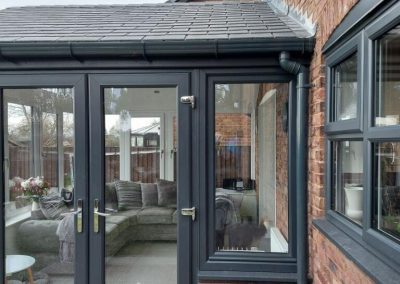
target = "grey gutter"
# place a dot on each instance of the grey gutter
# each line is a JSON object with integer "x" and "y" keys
{"x": 147, "y": 49}
{"x": 303, "y": 86}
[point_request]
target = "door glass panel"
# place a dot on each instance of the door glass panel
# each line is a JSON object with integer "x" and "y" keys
{"x": 140, "y": 191}
{"x": 251, "y": 167}
{"x": 39, "y": 159}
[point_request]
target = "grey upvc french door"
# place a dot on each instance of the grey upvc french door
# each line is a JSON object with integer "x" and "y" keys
{"x": 44, "y": 149}
{"x": 140, "y": 178}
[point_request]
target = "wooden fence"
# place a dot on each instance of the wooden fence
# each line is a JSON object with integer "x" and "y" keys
{"x": 230, "y": 162}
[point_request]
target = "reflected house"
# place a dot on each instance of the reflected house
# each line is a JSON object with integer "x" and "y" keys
{"x": 195, "y": 142}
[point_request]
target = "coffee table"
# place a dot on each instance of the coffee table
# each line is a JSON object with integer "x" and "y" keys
{"x": 17, "y": 263}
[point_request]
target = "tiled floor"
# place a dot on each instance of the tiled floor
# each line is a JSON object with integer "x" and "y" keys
{"x": 135, "y": 263}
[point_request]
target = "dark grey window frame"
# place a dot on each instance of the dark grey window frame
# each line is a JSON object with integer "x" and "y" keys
{"x": 282, "y": 266}
{"x": 353, "y": 46}
{"x": 385, "y": 248}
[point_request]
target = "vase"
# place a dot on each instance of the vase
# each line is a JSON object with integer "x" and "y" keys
{"x": 354, "y": 202}
{"x": 35, "y": 205}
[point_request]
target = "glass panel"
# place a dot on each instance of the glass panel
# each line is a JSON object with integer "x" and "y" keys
{"x": 140, "y": 191}
{"x": 345, "y": 89}
{"x": 145, "y": 148}
{"x": 387, "y": 188}
{"x": 39, "y": 150}
{"x": 251, "y": 167}
{"x": 347, "y": 179}
{"x": 387, "y": 93}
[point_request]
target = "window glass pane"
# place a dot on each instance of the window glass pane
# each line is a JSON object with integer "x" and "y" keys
{"x": 39, "y": 151}
{"x": 347, "y": 179}
{"x": 251, "y": 168}
{"x": 345, "y": 89}
{"x": 387, "y": 92}
{"x": 387, "y": 188}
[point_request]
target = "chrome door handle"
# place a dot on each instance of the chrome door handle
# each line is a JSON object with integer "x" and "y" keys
{"x": 101, "y": 214}
{"x": 78, "y": 213}
{"x": 96, "y": 215}
{"x": 189, "y": 212}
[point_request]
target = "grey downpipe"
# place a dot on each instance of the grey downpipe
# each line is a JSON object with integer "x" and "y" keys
{"x": 302, "y": 91}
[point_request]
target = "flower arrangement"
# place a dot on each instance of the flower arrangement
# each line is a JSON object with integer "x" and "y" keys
{"x": 34, "y": 188}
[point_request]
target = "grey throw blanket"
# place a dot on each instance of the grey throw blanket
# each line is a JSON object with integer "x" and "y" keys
{"x": 66, "y": 235}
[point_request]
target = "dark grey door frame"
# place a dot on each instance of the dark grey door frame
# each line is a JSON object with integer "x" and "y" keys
{"x": 78, "y": 82}
{"x": 97, "y": 83}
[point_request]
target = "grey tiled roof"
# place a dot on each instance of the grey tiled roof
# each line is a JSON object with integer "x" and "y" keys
{"x": 161, "y": 22}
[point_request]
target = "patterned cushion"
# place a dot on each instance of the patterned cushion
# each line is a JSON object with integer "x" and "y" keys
{"x": 129, "y": 195}
{"x": 149, "y": 194}
{"x": 52, "y": 206}
{"x": 166, "y": 193}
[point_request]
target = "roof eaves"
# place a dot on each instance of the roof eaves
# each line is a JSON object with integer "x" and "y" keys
{"x": 152, "y": 48}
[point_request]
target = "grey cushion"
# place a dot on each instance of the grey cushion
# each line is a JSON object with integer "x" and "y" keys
{"x": 129, "y": 195}
{"x": 110, "y": 194}
{"x": 155, "y": 215}
{"x": 149, "y": 194}
{"x": 166, "y": 193}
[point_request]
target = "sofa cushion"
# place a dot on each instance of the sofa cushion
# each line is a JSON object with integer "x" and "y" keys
{"x": 129, "y": 195}
{"x": 112, "y": 231}
{"x": 121, "y": 221}
{"x": 131, "y": 214}
{"x": 110, "y": 196}
{"x": 38, "y": 236}
{"x": 175, "y": 217}
{"x": 149, "y": 194}
{"x": 166, "y": 193}
{"x": 155, "y": 215}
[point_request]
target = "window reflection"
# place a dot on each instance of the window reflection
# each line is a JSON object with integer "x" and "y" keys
{"x": 251, "y": 196}
{"x": 348, "y": 174}
{"x": 387, "y": 188}
{"x": 387, "y": 92}
{"x": 345, "y": 89}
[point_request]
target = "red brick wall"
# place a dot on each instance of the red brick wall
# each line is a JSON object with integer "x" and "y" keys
{"x": 326, "y": 263}
{"x": 282, "y": 95}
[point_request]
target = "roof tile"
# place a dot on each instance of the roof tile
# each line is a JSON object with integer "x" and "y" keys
{"x": 169, "y": 21}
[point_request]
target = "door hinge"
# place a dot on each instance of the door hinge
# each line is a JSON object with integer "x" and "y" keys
{"x": 189, "y": 100}
{"x": 189, "y": 212}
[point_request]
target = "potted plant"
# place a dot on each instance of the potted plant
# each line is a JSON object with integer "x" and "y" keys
{"x": 34, "y": 189}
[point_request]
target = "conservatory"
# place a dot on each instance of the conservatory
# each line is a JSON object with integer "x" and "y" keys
{"x": 153, "y": 144}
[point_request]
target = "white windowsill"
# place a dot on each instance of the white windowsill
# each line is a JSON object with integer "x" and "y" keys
{"x": 18, "y": 218}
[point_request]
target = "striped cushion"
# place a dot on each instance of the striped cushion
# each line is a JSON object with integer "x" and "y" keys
{"x": 129, "y": 195}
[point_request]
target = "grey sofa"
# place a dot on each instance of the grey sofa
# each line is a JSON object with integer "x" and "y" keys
{"x": 38, "y": 237}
